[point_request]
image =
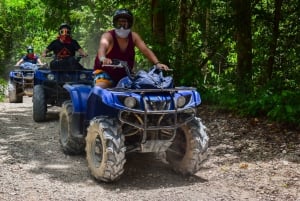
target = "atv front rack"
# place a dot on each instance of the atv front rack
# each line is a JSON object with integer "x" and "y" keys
{"x": 153, "y": 114}
{"x": 157, "y": 119}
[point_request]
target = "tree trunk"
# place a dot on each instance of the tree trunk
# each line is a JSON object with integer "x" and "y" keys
{"x": 206, "y": 34}
{"x": 158, "y": 30}
{"x": 185, "y": 10}
{"x": 242, "y": 19}
{"x": 273, "y": 44}
{"x": 158, "y": 22}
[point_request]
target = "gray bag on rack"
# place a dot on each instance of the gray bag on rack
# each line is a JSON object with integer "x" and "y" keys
{"x": 153, "y": 79}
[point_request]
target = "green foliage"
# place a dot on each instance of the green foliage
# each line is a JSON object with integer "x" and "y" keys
{"x": 3, "y": 86}
{"x": 278, "y": 97}
{"x": 23, "y": 22}
{"x": 278, "y": 105}
{"x": 282, "y": 106}
{"x": 286, "y": 107}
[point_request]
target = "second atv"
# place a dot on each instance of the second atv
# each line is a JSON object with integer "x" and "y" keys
{"x": 48, "y": 88}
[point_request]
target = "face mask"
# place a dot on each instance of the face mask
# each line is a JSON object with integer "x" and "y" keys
{"x": 65, "y": 39}
{"x": 30, "y": 55}
{"x": 122, "y": 33}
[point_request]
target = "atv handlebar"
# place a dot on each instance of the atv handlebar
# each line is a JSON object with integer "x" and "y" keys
{"x": 33, "y": 65}
{"x": 53, "y": 56}
{"x": 116, "y": 63}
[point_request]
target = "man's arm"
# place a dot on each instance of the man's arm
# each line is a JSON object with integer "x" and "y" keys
{"x": 140, "y": 44}
{"x": 49, "y": 48}
{"x": 19, "y": 62}
{"x": 143, "y": 48}
{"x": 39, "y": 61}
{"x": 81, "y": 52}
{"x": 104, "y": 47}
{"x": 45, "y": 52}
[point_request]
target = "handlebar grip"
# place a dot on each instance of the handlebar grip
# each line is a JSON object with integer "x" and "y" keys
{"x": 115, "y": 62}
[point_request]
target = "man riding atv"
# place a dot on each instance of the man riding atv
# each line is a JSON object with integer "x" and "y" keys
{"x": 21, "y": 78}
{"x": 119, "y": 43}
{"x": 65, "y": 68}
{"x": 30, "y": 58}
{"x": 64, "y": 48}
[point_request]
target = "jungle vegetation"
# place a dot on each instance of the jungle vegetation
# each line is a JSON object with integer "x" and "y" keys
{"x": 242, "y": 55}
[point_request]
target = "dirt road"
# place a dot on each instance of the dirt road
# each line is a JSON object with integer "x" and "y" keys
{"x": 250, "y": 159}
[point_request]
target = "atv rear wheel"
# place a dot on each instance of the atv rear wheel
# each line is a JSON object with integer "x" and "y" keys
{"x": 12, "y": 93}
{"x": 68, "y": 128}
{"x": 39, "y": 107}
{"x": 188, "y": 149}
{"x": 105, "y": 149}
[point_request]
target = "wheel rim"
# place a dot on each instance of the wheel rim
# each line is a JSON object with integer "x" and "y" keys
{"x": 97, "y": 149}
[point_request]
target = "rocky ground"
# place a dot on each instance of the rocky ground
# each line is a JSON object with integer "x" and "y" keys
{"x": 250, "y": 159}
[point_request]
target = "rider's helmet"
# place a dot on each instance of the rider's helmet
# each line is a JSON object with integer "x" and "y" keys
{"x": 64, "y": 29}
{"x": 30, "y": 50}
{"x": 123, "y": 13}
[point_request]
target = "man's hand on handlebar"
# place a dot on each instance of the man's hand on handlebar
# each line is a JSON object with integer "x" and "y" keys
{"x": 162, "y": 67}
{"x": 83, "y": 55}
{"x": 115, "y": 63}
{"x": 106, "y": 61}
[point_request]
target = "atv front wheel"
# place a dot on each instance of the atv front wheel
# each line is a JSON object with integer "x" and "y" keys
{"x": 68, "y": 128}
{"x": 105, "y": 149}
{"x": 39, "y": 107}
{"x": 13, "y": 93}
{"x": 188, "y": 149}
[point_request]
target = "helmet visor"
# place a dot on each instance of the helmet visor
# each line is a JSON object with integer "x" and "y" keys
{"x": 29, "y": 51}
{"x": 64, "y": 32}
{"x": 121, "y": 22}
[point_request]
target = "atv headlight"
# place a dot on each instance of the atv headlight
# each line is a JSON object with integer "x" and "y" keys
{"x": 181, "y": 101}
{"x": 82, "y": 76}
{"x": 130, "y": 102}
{"x": 50, "y": 76}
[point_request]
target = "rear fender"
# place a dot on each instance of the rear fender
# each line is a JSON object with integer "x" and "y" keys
{"x": 79, "y": 94}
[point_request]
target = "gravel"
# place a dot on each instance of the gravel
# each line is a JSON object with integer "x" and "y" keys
{"x": 249, "y": 159}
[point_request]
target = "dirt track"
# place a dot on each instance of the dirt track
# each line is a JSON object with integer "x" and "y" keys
{"x": 250, "y": 159}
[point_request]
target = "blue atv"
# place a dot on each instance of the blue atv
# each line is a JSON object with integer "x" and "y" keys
{"x": 21, "y": 82}
{"x": 109, "y": 123}
{"x": 48, "y": 88}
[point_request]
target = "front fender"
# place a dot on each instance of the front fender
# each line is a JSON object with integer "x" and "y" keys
{"x": 79, "y": 94}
